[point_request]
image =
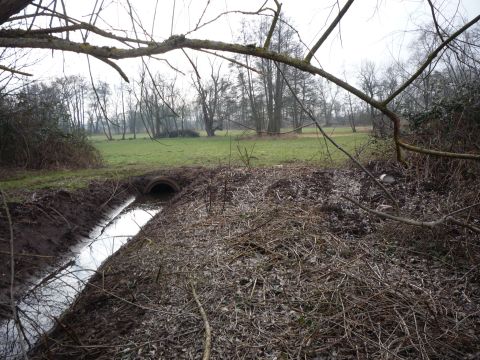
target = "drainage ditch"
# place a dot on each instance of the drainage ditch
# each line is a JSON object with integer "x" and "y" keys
{"x": 54, "y": 293}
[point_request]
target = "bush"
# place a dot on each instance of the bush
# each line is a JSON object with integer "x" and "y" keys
{"x": 452, "y": 124}
{"x": 42, "y": 148}
{"x": 178, "y": 133}
{"x": 31, "y": 137}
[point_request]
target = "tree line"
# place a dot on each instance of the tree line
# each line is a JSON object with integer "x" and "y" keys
{"x": 247, "y": 93}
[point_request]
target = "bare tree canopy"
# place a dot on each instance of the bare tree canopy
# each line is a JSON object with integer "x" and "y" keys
{"x": 58, "y": 38}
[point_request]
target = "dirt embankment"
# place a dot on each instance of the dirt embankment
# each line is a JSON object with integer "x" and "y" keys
{"x": 45, "y": 226}
{"x": 284, "y": 268}
{"x": 47, "y": 223}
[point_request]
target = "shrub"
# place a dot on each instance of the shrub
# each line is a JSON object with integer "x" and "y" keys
{"x": 452, "y": 124}
{"x": 31, "y": 136}
{"x": 44, "y": 147}
{"x": 178, "y": 133}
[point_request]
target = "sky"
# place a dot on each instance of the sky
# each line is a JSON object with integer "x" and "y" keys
{"x": 377, "y": 30}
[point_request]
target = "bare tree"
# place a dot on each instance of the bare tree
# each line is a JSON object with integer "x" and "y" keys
{"x": 99, "y": 102}
{"x": 209, "y": 94}
{"x": 350, "y": 110}
{"x": 56, "y": 38}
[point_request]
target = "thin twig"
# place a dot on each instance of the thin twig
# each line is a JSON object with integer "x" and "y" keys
{"x": 233, "y": 61}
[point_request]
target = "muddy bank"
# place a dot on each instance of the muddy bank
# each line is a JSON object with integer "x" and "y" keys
{"x": 46, "y": 226}
{"x": 284, "y": 268}
{"x": 47, "y": 223}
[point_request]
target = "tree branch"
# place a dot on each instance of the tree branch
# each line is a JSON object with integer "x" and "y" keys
{"x": 8, "y": 39}
{"x": 233, "y": 61}
{"x": 115, "y": 66}
{"x": 207, "y": 346}
{"x": 429, "y": 224}
{"x": 258, "y": 12}
{"x": 438, "y": 152}
{"x": 13, "y": 71}
{"x": 327, "y": 33}
{"x": 430, "y": 58}
{"x": 435, "y": 22}
{"x": 273, "y": 25}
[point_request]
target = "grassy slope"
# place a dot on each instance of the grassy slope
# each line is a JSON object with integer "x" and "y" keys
{"x": 131, "y": 157}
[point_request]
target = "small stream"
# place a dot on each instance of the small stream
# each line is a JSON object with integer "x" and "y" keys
{"x": 53, "y": 294}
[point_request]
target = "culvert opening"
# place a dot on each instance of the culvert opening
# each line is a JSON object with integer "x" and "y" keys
{"x": 162, "y": 186}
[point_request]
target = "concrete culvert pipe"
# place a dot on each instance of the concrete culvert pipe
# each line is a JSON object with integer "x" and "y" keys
{"x": 161, "y": 185}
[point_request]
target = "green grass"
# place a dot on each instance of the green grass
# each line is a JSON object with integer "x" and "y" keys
{"x": 221, "y": 150}
{"x": 133, "y": 157}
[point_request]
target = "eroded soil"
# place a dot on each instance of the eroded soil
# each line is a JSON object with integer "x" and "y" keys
{"x": 285, "y": 268}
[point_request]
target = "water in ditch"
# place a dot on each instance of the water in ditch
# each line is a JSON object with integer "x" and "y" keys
{"x": 54, "y": 293}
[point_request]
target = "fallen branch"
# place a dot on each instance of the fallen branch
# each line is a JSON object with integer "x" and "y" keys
{"x": 208, "y": 333}
{"x": 429, "y": 224}
{"x": 438, "y": 153}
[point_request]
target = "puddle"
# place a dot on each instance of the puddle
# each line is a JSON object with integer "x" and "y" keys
{"x": 53, "y": 294}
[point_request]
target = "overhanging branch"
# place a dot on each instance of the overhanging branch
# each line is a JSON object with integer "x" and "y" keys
{"x": 430, "y": 58}
{"x": 327, "y": 33}
{"x": 173, "y": 43}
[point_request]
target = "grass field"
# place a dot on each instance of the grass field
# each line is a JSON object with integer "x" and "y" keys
{"x": 132, "y": 157}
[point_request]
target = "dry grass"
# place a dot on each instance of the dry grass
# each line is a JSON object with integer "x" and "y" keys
{"x": 284, "y": 269}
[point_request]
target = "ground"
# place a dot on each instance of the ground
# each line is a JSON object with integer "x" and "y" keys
{"x": 285, "y": 268}
{"x": 126, "y": 158}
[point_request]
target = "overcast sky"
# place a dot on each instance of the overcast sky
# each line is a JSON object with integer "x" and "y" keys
{"x": 376, "y": 30}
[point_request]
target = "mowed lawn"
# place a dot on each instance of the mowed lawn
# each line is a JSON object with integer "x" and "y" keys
{"x": 130, "y": 157}
{"x": 229, "y": 148}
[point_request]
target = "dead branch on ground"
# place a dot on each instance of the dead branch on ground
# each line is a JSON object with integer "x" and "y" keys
{"x": 208, "y": 332}
{"x": 429, "y": 224}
